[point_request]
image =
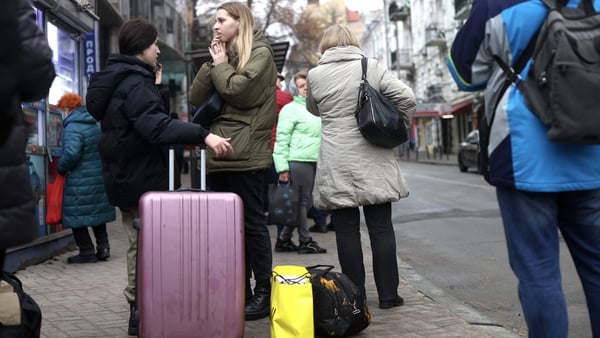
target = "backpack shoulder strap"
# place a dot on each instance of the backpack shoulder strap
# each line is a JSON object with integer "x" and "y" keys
{"x": 587, "y": 6}
{"x": 512, "y": 73}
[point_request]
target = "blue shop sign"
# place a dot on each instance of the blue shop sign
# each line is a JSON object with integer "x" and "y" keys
{"x": 89, "y": 48}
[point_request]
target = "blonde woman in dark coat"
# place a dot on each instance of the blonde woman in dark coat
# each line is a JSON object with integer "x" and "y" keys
{"x": 351, "y": 172}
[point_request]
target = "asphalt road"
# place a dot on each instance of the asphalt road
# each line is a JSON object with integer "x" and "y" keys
{"x": 449, "y": 229}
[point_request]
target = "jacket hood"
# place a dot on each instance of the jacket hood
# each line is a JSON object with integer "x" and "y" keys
{"x": 259, "y": 40}
{"x": 79, "y": 115}
{"x": 300, "y": 99}
{"x": 103, "y": 83}
{"x": 345, "y": 53}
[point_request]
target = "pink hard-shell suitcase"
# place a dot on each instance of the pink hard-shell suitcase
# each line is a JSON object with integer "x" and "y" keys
{"x": 191, "y": 268}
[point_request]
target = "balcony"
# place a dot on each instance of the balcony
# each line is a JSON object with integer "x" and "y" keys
{"x": 434, "y": 37}
{"x": 462, "y": 9}
{"x": 398, "y": 13}
{"x": 435, "y": 93}
{"x": 402, "y": 60}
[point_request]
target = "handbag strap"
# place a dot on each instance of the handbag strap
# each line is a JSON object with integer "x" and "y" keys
{"x": 293, "y": 279}
{"x": 361, "y": 91}
{"x": 363, "y": 63}
{"x": 319, "y": 270}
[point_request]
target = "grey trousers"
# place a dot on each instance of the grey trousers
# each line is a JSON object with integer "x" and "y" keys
{"x": 302, "y": 174}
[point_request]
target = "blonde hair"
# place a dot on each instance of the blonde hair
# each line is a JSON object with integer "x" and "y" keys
{"x": 337, "y": 36}
{"x": 242, "y": 43}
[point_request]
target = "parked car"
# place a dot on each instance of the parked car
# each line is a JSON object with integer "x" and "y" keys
{"x": 468, "y": 153}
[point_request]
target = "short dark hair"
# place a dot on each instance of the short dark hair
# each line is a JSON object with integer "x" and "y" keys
{"x": 135, "y": 36}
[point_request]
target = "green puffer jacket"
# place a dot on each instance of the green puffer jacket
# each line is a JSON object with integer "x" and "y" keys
{"x": 84, "y": 200}
{"x": 298, "y": 135}
{"x": 248, "y": 114}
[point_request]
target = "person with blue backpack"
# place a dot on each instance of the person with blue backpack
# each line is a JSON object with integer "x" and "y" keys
{"x": 543, "y": 186}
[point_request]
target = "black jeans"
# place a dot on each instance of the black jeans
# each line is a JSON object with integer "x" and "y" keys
{"x": 84, "y": 241}
{"x": 249, "y": 186}
{"x": 383, "y": 246}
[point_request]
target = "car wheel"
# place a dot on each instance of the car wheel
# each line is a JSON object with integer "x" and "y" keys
{"x": 461, "y": 166}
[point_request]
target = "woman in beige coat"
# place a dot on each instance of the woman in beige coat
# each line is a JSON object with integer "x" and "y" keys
{"x": 351, "y": 172}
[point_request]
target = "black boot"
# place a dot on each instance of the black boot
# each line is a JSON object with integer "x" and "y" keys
{"x": 260, "y": 304}
{"x": 82, "y": 259}
{"x": 248, "y": 291}
{"x": 133, "y": 319}
{"x": 103, "y": 254}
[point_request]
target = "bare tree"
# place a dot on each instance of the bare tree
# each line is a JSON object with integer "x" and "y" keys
{"x": 282, "y": 20}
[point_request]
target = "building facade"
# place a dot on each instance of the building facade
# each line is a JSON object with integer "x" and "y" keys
{"x": 418, "y": 34}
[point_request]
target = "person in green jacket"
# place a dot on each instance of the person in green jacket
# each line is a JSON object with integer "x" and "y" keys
{"x": 295, "y": 156}
{"x": 243, "y": 71}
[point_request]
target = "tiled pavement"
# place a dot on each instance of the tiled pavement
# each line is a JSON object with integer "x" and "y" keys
{"x": 87, "y": 300}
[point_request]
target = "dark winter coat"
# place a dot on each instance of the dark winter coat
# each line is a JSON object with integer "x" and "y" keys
{"x": 84, "y": 199}
{"x": 248, "y": 114}
{"x": 26, "y": 73}
{"x": 135, "y": 127}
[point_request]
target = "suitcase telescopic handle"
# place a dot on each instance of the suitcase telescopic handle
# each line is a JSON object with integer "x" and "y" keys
{"x": 171, "y": 168}
{"x": 202, "y": 169}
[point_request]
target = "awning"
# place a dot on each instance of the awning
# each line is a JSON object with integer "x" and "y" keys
{"x": 431, "y": 109}
{"x": 437, "y": 110}
{"x": 463, "y": 108}
{"x": 427, "y": 113}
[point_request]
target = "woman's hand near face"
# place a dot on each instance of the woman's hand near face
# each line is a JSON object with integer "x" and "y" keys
{"x": 219, "y": 145}
{"x": 158, "y": 74}
{"x": 218, "y": 52}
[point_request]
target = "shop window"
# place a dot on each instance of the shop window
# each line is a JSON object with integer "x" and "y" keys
{"x": 65, "y": 62}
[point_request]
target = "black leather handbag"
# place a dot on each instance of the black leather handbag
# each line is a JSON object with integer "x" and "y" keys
{"x": 378, "y": 119}
{"x": 208, "y": 111}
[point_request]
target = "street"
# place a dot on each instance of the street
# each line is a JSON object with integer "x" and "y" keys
{"x": 449, "y": 229}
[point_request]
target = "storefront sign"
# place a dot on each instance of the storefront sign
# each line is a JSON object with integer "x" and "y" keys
{"x": 89, "y": 47}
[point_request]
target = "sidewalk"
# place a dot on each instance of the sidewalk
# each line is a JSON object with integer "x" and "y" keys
{"x": 422, "y": 157}
{"x": 86, "y": 300}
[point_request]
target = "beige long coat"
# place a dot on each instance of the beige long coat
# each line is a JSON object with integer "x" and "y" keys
{"x": 351, "y": 171}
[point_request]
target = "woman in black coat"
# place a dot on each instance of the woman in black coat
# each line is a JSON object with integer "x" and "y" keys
{"x": 136, "y": 127}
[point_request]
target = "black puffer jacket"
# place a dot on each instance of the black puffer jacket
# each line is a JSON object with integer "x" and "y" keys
{"x": 26, "y": 73}
{"x": 135, "y": 128}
